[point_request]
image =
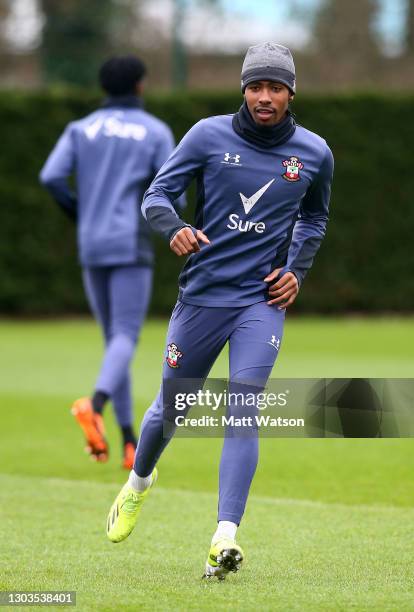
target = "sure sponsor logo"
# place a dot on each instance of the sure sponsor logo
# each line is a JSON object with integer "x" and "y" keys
{"x": 236, "y": 223}
{"x": 112, "y": 127}
{"x": 248, "y": 203}
{"x": 243, "y": 225}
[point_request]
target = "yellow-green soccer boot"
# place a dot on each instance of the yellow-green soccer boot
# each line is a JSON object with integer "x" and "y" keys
{"x": 225, "y": 556}
{"x": 125, "y": 510}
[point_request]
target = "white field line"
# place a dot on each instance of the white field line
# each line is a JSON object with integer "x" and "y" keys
{"x": 276, "y": 501}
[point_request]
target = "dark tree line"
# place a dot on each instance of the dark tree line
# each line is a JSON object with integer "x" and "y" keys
{"x": 78, "y": 34}
{"x": 409, "y": 37}
{"x": 345, "y": 40}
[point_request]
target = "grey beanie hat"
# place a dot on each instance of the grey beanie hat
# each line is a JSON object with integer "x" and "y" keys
{"x": 268, "y": 62}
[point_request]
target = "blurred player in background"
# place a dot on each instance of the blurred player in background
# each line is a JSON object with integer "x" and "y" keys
{"x": 114, "y": 153}
{"x": 263, "y": 195}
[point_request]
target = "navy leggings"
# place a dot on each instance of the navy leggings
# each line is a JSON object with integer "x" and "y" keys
{"x": 196, "y": 336}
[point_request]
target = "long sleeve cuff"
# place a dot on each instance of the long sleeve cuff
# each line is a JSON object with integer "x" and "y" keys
{"x": 66, "y": 199}
{"x": 164, "y": 221}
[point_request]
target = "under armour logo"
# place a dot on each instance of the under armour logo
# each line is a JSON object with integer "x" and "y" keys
{"x": 228, "y": 157}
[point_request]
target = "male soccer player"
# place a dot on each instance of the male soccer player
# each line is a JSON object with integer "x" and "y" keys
{"x": 115, "y": 152}
{"x": 263, "y": 194}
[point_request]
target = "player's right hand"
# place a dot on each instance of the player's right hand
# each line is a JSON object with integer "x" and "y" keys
{"x": 185, "y": 243}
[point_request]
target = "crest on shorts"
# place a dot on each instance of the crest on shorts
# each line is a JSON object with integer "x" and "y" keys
{"x": 292, "y": 167}
{"x": 173, "y": 355}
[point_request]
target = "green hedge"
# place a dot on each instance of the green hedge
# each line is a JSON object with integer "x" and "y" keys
{"x": 365, "y": 264}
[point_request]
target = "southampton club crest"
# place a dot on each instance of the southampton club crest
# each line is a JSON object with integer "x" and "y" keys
{"x": 173, "y": 355}
{"x": 292, "y": 167}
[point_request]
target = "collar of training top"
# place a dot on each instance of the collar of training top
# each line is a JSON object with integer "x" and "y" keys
{"x": 262, "y": 135}
{"x": 129, "y": 101}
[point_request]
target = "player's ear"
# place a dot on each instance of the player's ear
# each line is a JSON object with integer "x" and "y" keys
{"x": 139, "y": 88}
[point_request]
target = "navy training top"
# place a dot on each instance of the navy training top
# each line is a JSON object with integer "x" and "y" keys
{"x": 114, "y": 153}
{"x": 260, "y": 208}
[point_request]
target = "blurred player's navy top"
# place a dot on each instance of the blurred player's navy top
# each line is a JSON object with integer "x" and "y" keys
{"x": 115, "y": 153}
{"x": 260, "y": 208}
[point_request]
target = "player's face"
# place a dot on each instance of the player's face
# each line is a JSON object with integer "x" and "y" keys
{"x": 267, "y": 101}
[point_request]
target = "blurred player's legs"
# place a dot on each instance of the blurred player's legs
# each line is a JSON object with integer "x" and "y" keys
{"x": 93, "y": 428}
{"x": 122, "y": 403}
{"x": 118, "y": 297}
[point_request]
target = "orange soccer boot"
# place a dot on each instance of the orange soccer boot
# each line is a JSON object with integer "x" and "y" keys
{"x": 93, "y": 428}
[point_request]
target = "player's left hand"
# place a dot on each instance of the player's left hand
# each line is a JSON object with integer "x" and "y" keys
{"x": 284, "y": 291}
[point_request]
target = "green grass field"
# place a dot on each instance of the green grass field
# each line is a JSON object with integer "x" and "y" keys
{"x": 329, "y": 524}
